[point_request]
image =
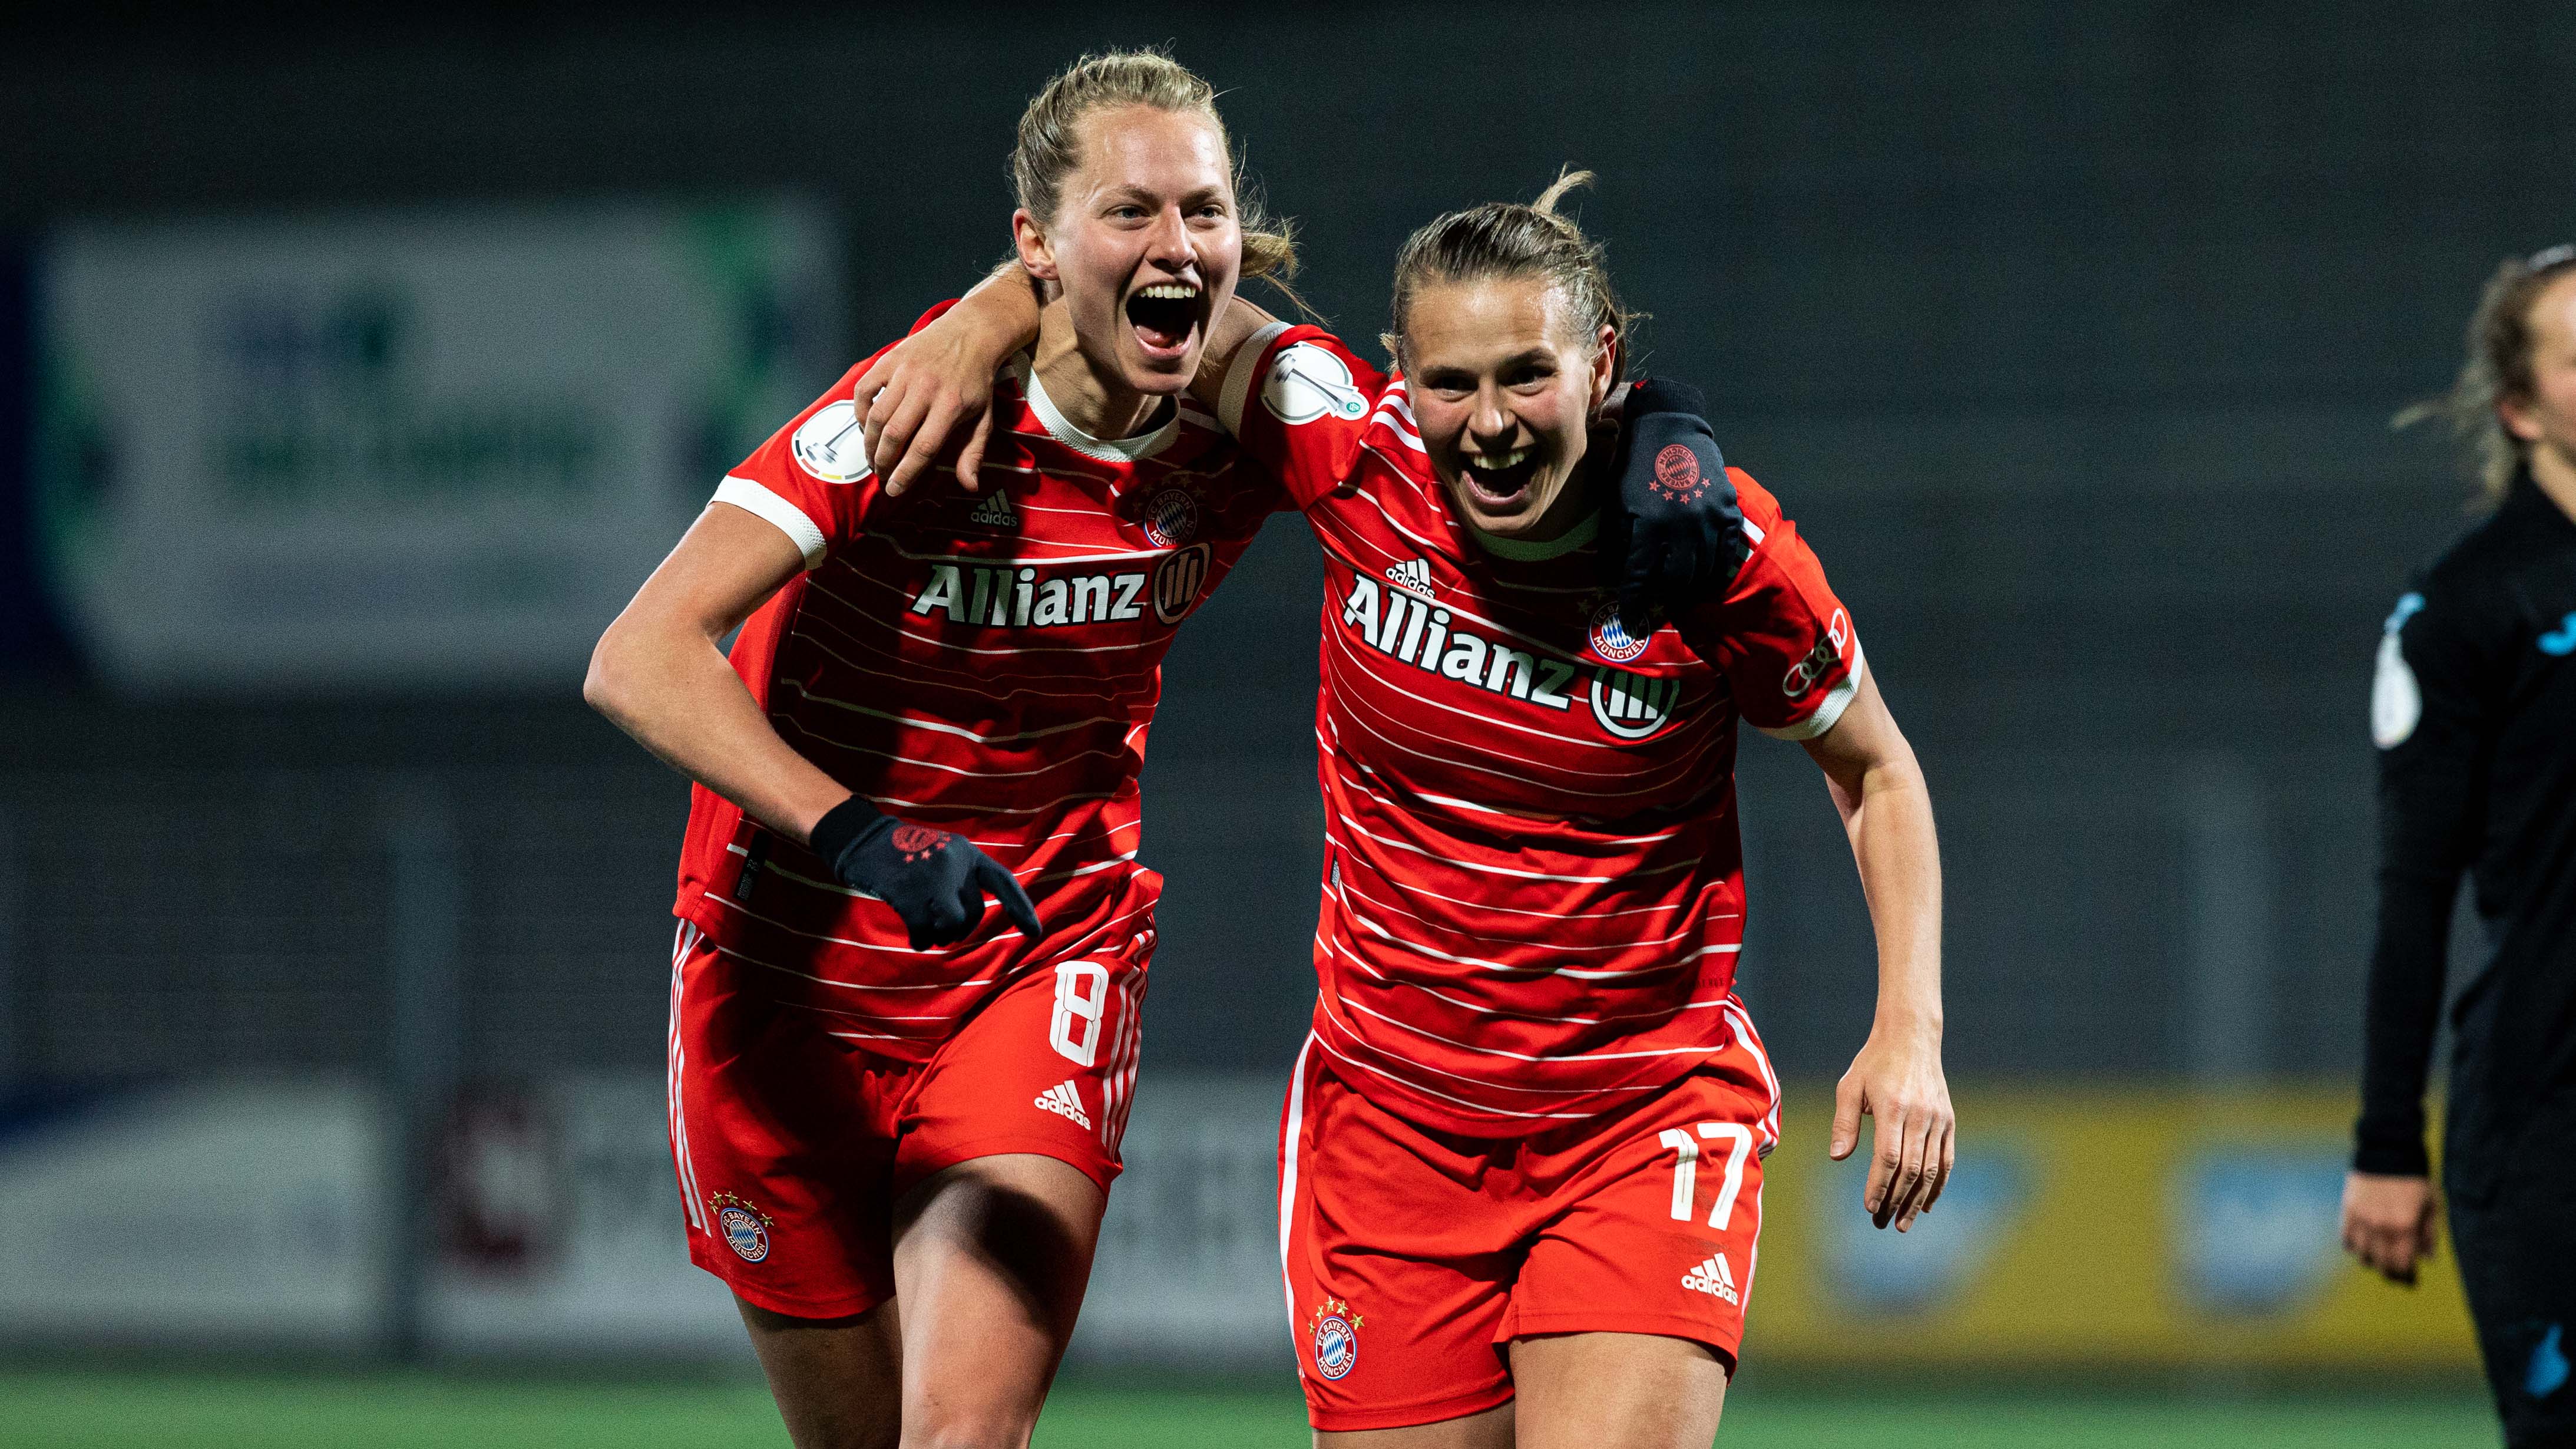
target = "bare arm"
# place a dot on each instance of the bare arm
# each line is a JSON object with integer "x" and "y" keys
{"x": 941, "y": 378}
{"x": 659, "y": 674}
{"x": 1896, "y": 1079}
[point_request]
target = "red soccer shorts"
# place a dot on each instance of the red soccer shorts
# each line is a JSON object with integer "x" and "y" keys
{"x": 1415, "y": 1257}
{"x": 793, "y": 1145}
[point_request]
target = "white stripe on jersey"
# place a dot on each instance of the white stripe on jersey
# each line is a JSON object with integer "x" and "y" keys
{"x": 1013, "y": 650}
{"x": 1344, "y": 888}
{"x": 1400, "y": 1025}
{"x": 1292, "y": 1133}
{"x": 1444, "y": 1096}
{"x": 1058, "y": 763}
{"x": 1418, "y": 949}
{"x": 994, "y": 561}
{"x": 1521, "y": 874}
{"x": 1614, "y": 747}
{"x": 948, "y": 729}
{"x": 1744, "y": 1033}
{"x": 1659, "y": 907}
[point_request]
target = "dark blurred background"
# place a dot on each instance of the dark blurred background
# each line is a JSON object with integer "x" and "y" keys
{"x": 2069, "y": 333}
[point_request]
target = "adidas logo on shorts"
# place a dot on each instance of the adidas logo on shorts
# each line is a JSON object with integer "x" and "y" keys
{"x": 1064, "y": 1100}
{"x": 1712, "y": 1277}
{"x": 1413, "y": 576}
{"x": 996, "y": 511}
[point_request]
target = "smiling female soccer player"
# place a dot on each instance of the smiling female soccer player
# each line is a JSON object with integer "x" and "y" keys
{"x": 877, "y": 1096}
{"x": 1521, "y": 1160}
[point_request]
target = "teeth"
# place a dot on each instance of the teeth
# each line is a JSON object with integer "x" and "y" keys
{"x": 1171, "y": 291}
{"x": 1511, "y": 459}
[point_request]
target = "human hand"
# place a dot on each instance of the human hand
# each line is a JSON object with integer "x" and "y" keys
{"x": 1896, "y": 1082}
{"x": 1677, "y": 532}
{"x": 934, "y": 879}
{"x": 2390, "y": 1223}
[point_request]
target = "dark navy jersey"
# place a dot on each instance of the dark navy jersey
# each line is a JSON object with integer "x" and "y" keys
{"x": 2474, "y": 712}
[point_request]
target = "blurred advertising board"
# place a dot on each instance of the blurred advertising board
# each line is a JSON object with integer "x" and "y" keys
{"x": 2089, "y": 1229}
{"x": 2097, "y": 1226}
{"x": 240, "y": 1215}
{"x": 414, "y": 448}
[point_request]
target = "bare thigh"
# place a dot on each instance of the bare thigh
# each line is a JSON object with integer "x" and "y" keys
{"x": 1616, "y": 1391}
{"x": 1491, "y": 1429}
{"x": 990, "y": 1260}
{"x": 838, "y": 1381}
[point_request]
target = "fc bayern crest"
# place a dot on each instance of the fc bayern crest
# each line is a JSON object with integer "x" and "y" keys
{"x": 1337, "y": 1338}
{"x": 1172, "y": 518}
{"x": 745, "y": 1228}
{"x": 1610, "y": 639}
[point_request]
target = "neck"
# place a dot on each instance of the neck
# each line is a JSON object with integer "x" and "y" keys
{"x": 1587, "y": 492}
{"x": 1104, "y": 407}
{"x": 2556, "y": 475}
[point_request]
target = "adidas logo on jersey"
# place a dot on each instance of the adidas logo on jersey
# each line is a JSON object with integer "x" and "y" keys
{"x": 1065, "y": 1100}
{"x": 1713, "y": 1277}
{"x": 1413, "y": 576}
{"x": 996, "y": 512}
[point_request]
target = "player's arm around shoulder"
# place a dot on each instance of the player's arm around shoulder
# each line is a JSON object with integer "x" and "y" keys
{"x": 1896, "y": 1079}
{"x": 659, "y": 674}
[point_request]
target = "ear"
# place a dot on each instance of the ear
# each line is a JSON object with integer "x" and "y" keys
{"x": 1036, "y": 257}
{"x": 2515, "y": 414}
{"x": 1605, "y": 364}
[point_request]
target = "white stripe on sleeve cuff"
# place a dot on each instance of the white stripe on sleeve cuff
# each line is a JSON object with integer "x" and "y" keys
{"x": 1837, "y": 700}
{"x": 744, "y": 494}
{"x": 1239, "y": 374}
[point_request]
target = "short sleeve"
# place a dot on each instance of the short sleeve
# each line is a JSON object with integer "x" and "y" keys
{"x": 1299, "y": 402}
{"x": 812, "y": 477}
{"x": 1785, "y": 644}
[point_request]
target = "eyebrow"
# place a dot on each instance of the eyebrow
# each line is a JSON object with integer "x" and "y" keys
{"x": 1139, "y": 193}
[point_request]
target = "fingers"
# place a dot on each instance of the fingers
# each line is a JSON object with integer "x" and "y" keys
{"x": 1920, "y": 1138}
{"x": 1941, "y": 1170}
{"x": 1015, "y": 901}
{"x": 936, "y": 420}
{"x": 879, "y": 392}
{"x": 1886, "y": 1159}
{"x": 970, "y": 459}
{"x": 1847, "y": 1109}
{"x": 902, "y": 418}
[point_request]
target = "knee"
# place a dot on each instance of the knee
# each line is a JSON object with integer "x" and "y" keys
{"x": 965, "y": 1428}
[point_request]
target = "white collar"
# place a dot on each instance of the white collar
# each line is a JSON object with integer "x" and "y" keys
{"x": 1108, "y": 450}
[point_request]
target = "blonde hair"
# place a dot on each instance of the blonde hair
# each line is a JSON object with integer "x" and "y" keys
{"x": 1050, "y": 144}
{"x": 1508, "y": 239}
{"x": 2498, "y": 368}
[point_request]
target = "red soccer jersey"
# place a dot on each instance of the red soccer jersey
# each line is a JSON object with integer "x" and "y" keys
{"x": 1533, "y": 892}
{"x": 988, "y": 665}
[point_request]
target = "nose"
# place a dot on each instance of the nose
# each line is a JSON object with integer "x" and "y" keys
{"x": 1168, "y": 243}
{"x": 1489, "y": 422}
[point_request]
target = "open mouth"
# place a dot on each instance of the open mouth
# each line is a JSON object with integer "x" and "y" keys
{"x": 1164, "y": 315}
{"x": 1500, "y": 480}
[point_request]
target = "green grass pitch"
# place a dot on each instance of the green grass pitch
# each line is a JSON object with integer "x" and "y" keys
{"x": 120, "y": 1410}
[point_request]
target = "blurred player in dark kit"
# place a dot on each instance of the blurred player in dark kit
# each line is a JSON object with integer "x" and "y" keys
{"x": 2474, "y": 713}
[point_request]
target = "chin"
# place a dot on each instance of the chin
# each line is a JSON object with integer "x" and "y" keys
{"x": 1160, "y": 379}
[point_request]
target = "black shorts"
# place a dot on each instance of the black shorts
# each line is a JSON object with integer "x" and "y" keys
{"x": 2513, "y": 1224}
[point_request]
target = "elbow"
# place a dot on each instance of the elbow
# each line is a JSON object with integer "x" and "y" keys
{"x": 604, "y": 685}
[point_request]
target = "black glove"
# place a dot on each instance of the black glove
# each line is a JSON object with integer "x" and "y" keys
{"x": 935, "y": 880}
{"x": 1677, "y": 536}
